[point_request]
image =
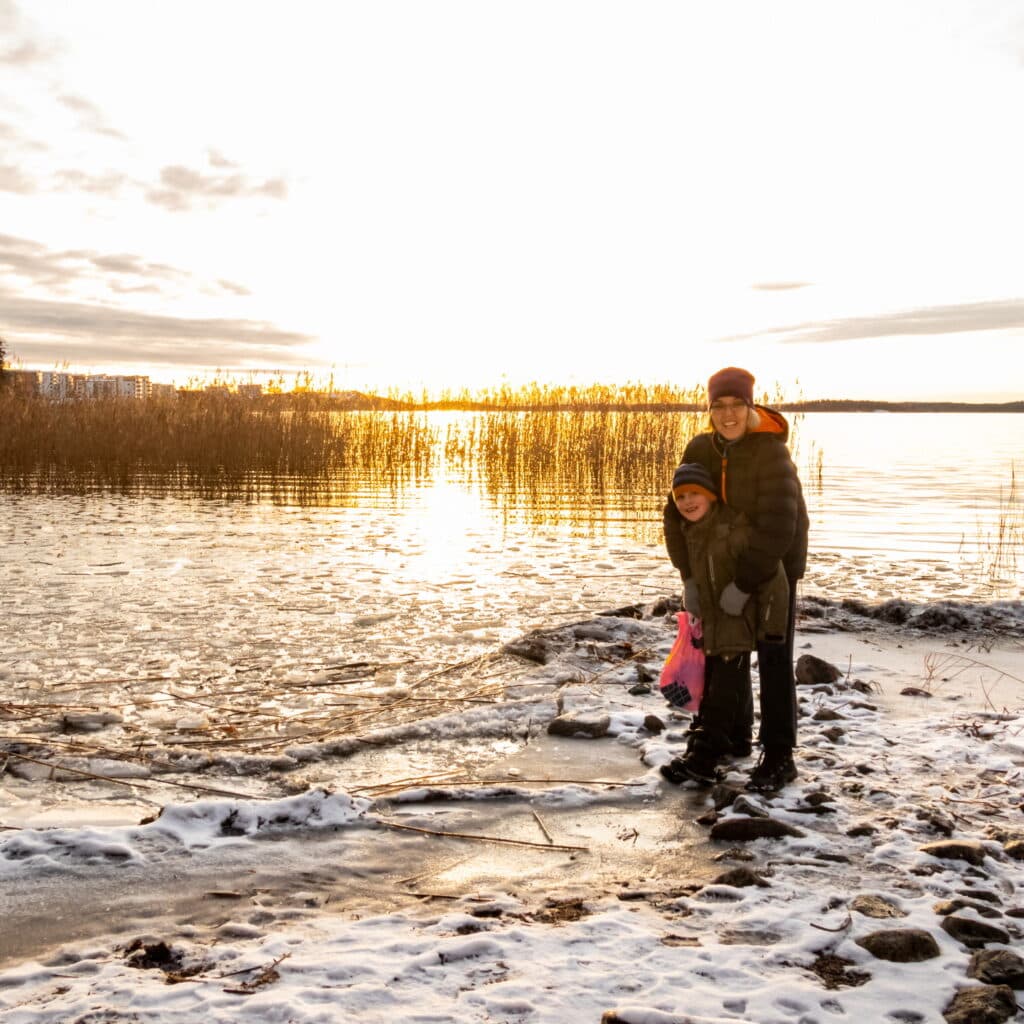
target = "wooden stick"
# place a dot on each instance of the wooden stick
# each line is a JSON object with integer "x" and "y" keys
{"x": 543, "y": 827}
{"x": 479, "y": 838}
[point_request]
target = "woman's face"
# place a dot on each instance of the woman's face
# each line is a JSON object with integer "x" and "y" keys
{"x": 729, "y": 417}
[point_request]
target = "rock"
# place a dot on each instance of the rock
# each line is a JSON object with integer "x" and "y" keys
{"x": 946, "y": 907}
{"x": 639, "y": 690}
{"x": 740, "y": 878}
{"x": 812, "y": 671}
{"x": 827, "y": 715}
{"x": 1015, "y": 849}
{"x": 530, "y": 648}
{"x": 914, "y": 691}
{"x": 981, "y": 1004}
{"x": 818, "y": 798}
{"x": 644, "y": 674}
{"x": 862, "y": 828}
{"x": 875, "y": 906}
{"x": 973, "y": 934}
{"x": 834, "y": 733}
{"x": 89, "y": 721}
{"x": 997, "y": 967}
{"x": 724, "y": 795}
{"x": 969, "y": 850}
{"x": 653, "y": 724}
{"x": 592, "y": 726}
{"x": 901, "y": 945}
{"x": 707, "y": 818}
{"x": 744, "y": 804}
{"x": 746, "y": 829}
{"x": 939, "y": 821}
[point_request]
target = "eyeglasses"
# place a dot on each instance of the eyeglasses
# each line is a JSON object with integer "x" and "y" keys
{"x": 720, "y": 406}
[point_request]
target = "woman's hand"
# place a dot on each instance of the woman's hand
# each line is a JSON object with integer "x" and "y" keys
{"x": 733, "y": 600}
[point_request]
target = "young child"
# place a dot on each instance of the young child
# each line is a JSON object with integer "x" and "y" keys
{"x": 714, "y": 535}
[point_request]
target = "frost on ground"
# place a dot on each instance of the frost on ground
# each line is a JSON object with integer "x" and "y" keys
{"x": 885, "y": 884}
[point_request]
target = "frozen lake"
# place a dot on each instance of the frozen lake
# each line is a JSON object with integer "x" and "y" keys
{"x": 170, "y": 615}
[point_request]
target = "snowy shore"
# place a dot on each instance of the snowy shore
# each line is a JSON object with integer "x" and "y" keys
{"x": 592, "y": 887}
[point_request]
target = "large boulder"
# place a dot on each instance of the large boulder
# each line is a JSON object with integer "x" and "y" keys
{"x": 997, "y": 967}
{"x": 981, "y": 1004}
{"x": 901, "y": 945}
{"x": 812, "y": 671}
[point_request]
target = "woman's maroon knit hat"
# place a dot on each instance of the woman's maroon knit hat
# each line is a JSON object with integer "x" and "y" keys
{"x": 732, "y": 382}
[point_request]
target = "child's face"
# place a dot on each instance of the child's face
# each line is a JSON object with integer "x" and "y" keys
{"x": 693, "y": 505}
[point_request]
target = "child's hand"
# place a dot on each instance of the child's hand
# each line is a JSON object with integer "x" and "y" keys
{"x": 691, "y": 598}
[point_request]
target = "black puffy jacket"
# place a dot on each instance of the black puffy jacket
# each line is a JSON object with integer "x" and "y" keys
{"x": 756, "y": 476}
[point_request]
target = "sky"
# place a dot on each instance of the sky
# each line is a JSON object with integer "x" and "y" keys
{"x": 463, "y": 194}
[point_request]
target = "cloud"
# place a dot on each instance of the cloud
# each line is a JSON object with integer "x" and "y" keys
{"x": 994, "y": 315}
{"x": 13, "y": 179}
{"x": 90, "y": 117}
{"x": 180, "y": 187}
{"x": 47, "y": 331}
{"x": 37, "y": 265}
{"x": 19, "y": 49}
{"x": 232, "y": 288}
{"x": 109, "y": 184}
{"x": 780, "y": 286}
{"x": 65, "y": 271}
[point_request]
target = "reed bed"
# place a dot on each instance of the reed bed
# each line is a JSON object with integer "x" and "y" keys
{"x": 208, "y": 444}
{"x": 527, "y": 445}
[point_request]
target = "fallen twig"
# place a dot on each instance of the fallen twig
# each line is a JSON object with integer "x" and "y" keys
{"x": 479, "y": 838}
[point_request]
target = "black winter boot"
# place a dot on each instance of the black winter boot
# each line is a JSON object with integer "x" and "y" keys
{"x": 774, "y": 769}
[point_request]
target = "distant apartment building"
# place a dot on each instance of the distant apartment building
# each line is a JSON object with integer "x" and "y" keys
{"x": 100, "y": 385}
{"x": 58, "y": 387}
{"x": 163, "y": 391}
{"x": 23, "y": 382}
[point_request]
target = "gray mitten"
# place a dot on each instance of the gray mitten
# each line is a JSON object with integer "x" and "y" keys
{"x": 691, "y": 598}
{"x": 733, "y": 600}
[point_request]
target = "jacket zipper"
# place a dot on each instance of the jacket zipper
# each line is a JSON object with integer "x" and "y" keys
{"x": 725, "y": 463}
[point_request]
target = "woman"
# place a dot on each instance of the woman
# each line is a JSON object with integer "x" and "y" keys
{"x": 745, "y": 453}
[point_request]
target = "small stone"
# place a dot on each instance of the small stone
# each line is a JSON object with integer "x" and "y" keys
{"x": 973, "y": 934}
{"x": 1015, "y": 849}
{"x": 827, "y": 715}
{"x": 969, "y": 850}
{"x": 946, "y": 907}
{"x": 901, "y": 945}
{"x": 724, "y": 795}
{"x": 743, "y": 804}
{"x": 981, "y": 1004}
{"x": 834, "y": 733}
{"x": 875, "y": 906}
{"x": 812, "y": 671}
{"x": 653, "y": 724}
{"x": 639, "y": 689}
{"x": 644, "y": 674}
{"x": 740, "y": 878}
{"x": 707, "y": 818}
{"x": 817, "y": 799}
{"x": 589, "y": 726}
{"x": 863, "y": 828}
{"x": 747, "y": 829}
{"x": 997, "y": 967}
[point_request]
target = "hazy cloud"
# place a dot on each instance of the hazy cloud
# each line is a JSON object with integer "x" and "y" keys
{"x": 90, "y": 117}
{"x": 234, "y": 289}
{"x": 180, "y": 187}
{"x": 780, "y": 286}
{"x": 46, "y": 331}
{"x": 995, "y": 315}
{"x": 109, "y": 184}
{"x": 123, "y": 273}
{"x": 13, "y": 179}
{"x": 217, "y": 159}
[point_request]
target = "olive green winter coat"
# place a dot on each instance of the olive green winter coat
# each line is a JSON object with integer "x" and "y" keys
{"x": 713, "y": 545}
